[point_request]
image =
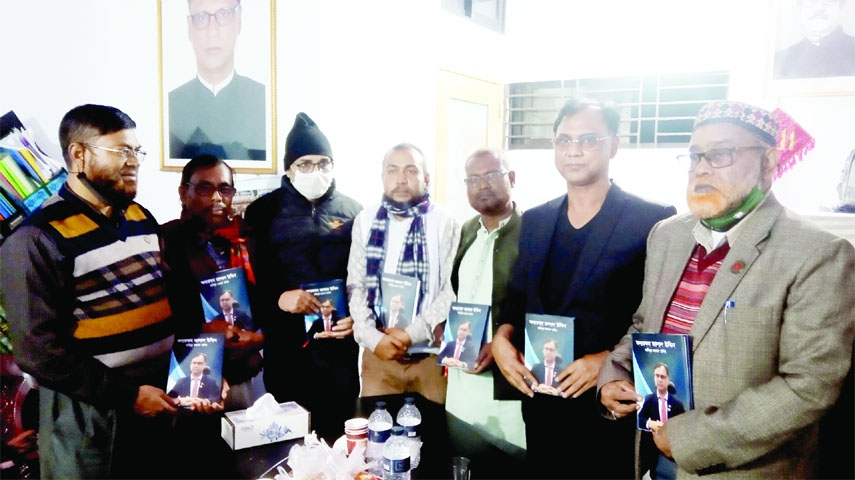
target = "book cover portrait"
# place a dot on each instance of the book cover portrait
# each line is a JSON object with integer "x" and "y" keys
{"x": 464, "y": 335}
{"x": 331, "y": 293}
{"x": 662, "y": 376}
{"x": 399, "y": 300}
{"x": 225, "y": 298}
{"x": 548, "y": 349}
{"x": 196, "y": 367}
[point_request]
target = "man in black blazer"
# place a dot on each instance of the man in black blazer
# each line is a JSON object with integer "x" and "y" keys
{"x": 648, "y": 416}
{"x": 322, "y": 327}
{"x": 546, "y": 372}
{"x": 232, "y": 314}
{"x": 581, "y": 255}
{"x": 206, "y": 388}
{"x": 465, "y": 358}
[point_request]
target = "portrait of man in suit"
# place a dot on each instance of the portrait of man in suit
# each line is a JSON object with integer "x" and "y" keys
{"x": 322, "y": 327}
{"x": 396, "y": 317}
{"x": 231, "y": 314}
{"x": 546, "y": 371}
{"x": 198, "y": 385}
{"x": 462, "y": 352}
{"x": 662, "y": 404}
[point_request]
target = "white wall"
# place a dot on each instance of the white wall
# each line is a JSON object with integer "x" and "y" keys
{"x": 366, "y": 72}
{"x": 558, "y": 39}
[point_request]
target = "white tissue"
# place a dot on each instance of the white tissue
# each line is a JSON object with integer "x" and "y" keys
{"x": 263, "y": 407}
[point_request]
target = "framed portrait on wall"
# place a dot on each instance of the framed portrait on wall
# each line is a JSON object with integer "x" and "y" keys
{"x": 218, "y": 82}
{"x": 813, "y": 50}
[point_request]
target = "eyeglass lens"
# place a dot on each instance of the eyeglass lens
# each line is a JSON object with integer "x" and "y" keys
{"x": 587, "y": 142}
{"x": 224, "y": 17}
{"x": 206, "y": 190}
{"x": 489, "y": 178}
{"x": 309, "y": 167}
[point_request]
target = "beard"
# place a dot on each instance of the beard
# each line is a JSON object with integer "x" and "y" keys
{"x": 715, "y": 202}
{"x": 707, "y": 205}
{"x": 490, "y": 203}
{"x": 118, "y": 194}
{"x": 401, "y": 206}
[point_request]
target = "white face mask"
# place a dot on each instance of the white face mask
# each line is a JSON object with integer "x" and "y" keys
{"x": 312, "y": 185}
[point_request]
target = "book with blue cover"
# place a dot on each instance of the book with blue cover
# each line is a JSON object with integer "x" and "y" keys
{"x": 465, "y": 334}
{"x": 399, "y": 301}
{"x": 196, "y": 368}
{"x": 548, "y": 349}
{"x": 225, "y": 298}
{"x": 333, "y": 298}
{"x": 662, "y": 367}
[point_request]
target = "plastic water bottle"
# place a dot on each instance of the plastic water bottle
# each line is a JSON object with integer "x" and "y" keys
{"x": 410, "y": 418}
{"x": 379, "y": 429}
{"x": 396, "y": 456}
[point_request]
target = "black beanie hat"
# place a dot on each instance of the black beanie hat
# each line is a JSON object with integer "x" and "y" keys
{"x": 305, "y": 138}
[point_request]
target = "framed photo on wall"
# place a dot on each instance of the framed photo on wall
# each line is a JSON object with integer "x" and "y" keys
{"x": 813, "y": 50}
{"x": 218, "y": 82}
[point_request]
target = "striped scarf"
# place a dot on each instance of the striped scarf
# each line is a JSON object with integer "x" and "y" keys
{"x": 413, "y": 261}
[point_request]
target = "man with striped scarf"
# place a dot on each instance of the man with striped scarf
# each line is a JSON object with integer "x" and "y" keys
{"x": 407, "y": 234}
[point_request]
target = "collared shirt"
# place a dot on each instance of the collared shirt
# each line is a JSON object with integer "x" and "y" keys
{"x": 215, "y": 89}
{"x": 476, "y": 265}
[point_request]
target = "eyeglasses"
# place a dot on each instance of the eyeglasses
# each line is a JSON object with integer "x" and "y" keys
{"x": 125, "y": 152}
{"x": 206, "y": 189}
{"x": 587, "y": 142}
{"x": 224, "y": 17}
{"x": 324, "y": 165}
{"x": 717, "y": 157}
{"x": 489, "y": 178}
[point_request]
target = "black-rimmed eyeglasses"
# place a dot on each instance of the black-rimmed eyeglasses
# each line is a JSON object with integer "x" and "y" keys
{"x": 206, "y": 189}
{"x": 125, "y": 152}
{"x": 224, "y": 17}
{"x": 717, "y": 157}
{"x": 489, "y": 178}
{"x": 324, "y": 165}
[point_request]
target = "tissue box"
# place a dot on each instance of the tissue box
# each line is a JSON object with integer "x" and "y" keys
{"x": 291, "y": 421}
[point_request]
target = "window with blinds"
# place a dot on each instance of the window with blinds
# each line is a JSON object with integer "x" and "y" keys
{"x": 655, "y": 110}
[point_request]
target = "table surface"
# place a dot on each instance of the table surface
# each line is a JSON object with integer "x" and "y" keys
{"x": 261, "y": 461}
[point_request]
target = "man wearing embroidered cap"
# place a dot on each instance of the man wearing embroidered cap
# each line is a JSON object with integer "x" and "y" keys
{"x": 302, "y": 231}
{"x": 765, "y": 296}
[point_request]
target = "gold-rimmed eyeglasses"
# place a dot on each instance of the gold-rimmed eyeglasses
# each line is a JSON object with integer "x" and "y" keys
{"x": 223, "y": 16}
{"x": 125, "y": 152}
{"x": 587, "y": 142}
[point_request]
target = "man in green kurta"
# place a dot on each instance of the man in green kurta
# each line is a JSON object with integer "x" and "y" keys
{"x": 484, "y": 410}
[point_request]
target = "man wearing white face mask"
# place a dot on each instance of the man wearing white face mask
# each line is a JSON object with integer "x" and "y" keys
{"x": 302, "y": 231}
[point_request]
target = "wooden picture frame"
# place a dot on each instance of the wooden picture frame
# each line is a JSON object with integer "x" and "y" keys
{"x": 233, "y": 124}
{"x": 788, "y": 72}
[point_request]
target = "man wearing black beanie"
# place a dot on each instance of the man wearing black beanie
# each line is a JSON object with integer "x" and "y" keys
{"x": 302, "y": 230}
